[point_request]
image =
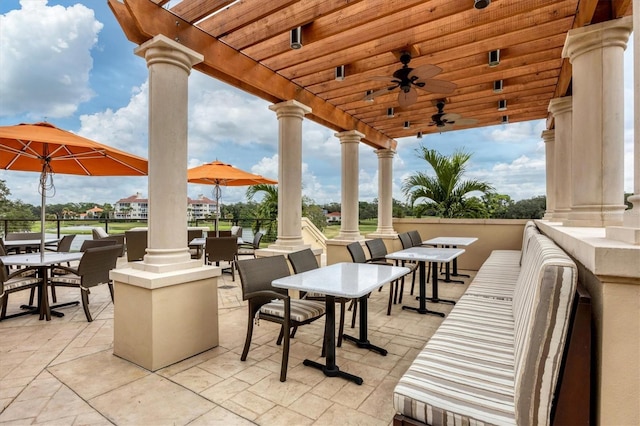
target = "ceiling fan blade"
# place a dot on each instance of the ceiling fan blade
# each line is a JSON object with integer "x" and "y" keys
{"x": 424, "y": 72}
{"x": 407, "y": 98}
{"x": 379, "y": 92}
{"x": 466, "y": 121}
{"x": 438, "y": 86}
{"x": 451, "y": 117}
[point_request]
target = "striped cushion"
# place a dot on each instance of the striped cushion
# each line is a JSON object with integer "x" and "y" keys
{"x": 16, "y": 283}
{"x": 497, "y": 276}
{"x": 301, "y": 310}
{"x": 68, "y": 279}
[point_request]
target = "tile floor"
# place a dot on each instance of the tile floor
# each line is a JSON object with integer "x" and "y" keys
{"x": 64, "y": 371}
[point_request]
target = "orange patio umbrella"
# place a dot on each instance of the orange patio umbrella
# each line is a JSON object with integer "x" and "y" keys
{"x": 221, "y": 174}
{"x": 44, "y": 148}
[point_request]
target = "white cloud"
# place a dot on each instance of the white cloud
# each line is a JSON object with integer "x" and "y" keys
{"x": 46, "y": 59}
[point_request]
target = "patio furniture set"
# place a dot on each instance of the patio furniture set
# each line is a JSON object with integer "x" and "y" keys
{"x": 503, "y": 355}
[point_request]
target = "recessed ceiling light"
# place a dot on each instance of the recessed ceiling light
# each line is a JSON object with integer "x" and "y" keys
{"x": 296, "y": 38}
{"x": 494, "y": 57}
{"x": 406, "y": 125}
{"x": 505, "y": 119}
{"x": 502, "y": 105}
{"x": 497, "y": 86}
{"x": 340, "y": 73}
{"x": 481, "y": 4}
{"x": 369, "y": 92}
{"x": 419, "y": 135}
{"x": 390, "y": 112}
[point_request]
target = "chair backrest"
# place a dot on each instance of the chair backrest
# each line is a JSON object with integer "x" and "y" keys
{"x": 236, "y": 231}
{"x": 221, "y": 248}
{"x": 3, "y": 249}
{"x": 377, "y": 249}
{"x": 257, "y": 274}
{"x": 357, "y": 252}
{"x": 12, "y": 236}
{"x": 87, "y": 244}
{"x": 96, "y": 263}
{"x": 98, "y": 233}
{"x": 303, "y": 261}
{"x": 193, "y": 233}
{"x": 136, "y": 245}
{"x": 256, "y": 240}
{"x": 224, "y": 233}
{"x": 416, "y": 239}
{"x": 405, "y": 239}
{"x": 64, "y": 245}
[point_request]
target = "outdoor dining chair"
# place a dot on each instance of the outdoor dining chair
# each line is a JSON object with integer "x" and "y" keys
{"x": 64, "y": 246}
{"x": 92, "y": 270}
{"x": 100, "y": 234}
{"x": 104, "y": 242}
{"x": 15, "y": 281}
{"x": 249, "y": 249}
{"x": 378, "y": 252}
{"x": 305, "y": 260}
{"x": 222, "y": 249}
{"x": 136, "y": 245}
{"x": 405, "y": 240}
{"x": 196, "y": 253}
{"x": 416, "y": 240}
{"x": 268, "y": 303}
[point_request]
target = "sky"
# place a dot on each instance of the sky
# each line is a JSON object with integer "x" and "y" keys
{"x": 68, "y": 62}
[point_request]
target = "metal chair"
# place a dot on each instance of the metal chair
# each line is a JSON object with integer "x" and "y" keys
{"x": 416, "y": 239}
{"x": 92, "y": 270}
{"x": 104, "y": 242}
{"x": 249, "y": 249}
{"x": 272, "y": 304}
{"x": 222, "y": 249}
{"x": 305, "y": 260}
{"x": 15, "y": 281}
{"x": 406, "y": 242}
{"x": 100, "y": 234}
{"x": 196, "y": 253}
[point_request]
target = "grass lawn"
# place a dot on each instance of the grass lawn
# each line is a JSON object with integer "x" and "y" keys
{"x": 366, "y": 227}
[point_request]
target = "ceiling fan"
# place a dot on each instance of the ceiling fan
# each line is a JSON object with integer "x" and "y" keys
{"x": 443, "y": 119}
{"x": 407, "y": 79}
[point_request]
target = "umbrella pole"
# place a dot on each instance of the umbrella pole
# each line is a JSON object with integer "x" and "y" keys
{"x": 43, "y": 190}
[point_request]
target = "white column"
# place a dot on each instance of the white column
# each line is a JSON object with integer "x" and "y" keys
{"x": 630, "y": 230}
{"x": 562, "y": 110}
{"x": 549, "y": 138}
{"x": 290, "y": 115}
{"x": 349, "y": 141}
{"x": 596, "y": 54}
{"x": 385, "y": 192}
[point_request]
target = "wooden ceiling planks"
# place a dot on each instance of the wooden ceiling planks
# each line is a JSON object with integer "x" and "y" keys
{"x": 366, "y": 36}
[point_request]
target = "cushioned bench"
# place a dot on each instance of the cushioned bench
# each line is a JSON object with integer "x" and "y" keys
{"x": 496, "y": 358}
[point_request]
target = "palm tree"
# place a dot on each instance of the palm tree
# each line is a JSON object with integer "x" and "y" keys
{"x": 268, "y": 208}
{"x": 445, "y": 194}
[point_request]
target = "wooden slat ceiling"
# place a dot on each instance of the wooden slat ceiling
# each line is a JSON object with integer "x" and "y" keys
{"x": 246, "y": 44}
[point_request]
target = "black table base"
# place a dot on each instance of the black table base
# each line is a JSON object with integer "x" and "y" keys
{"x": 422, "y": 309}
{"x": 363, "y": 341}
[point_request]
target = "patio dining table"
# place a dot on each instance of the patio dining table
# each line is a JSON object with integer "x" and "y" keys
{"x": 452, "y": 242}
{"x": 200, "y": 242}
{"x": 31, "y": 244}
{"x": 351, "y": 280}
{"x": 44, "y": 262}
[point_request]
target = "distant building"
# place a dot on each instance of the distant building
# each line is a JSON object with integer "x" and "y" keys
{"x": 333, "y": 217}
{"x": 93, "y": 213}
{"x": 136, "y": 207}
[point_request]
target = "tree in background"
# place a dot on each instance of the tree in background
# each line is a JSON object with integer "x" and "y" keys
{"x": 267, "y": 208}
{"x": 14, "y": 210}
{"x": 497, "y": 205}
{"x": 446, "y": 194}
{"x": 314, "y": 213}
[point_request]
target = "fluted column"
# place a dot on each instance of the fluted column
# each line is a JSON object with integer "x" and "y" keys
{"x": 549, "y": 138}
{"x": 349, "y": 142}
{"x": 385, "y": 192}
{"x": 630, "y": 230}
{"x": 169, "y": 66}
{"x": 596, "y": 54}
{"x": 562, "y": 110}
{"x": 290, "y": 115}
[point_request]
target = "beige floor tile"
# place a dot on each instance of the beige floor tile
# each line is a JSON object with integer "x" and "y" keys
{"x": 352, "y": 395}
{"x": 23, "y": 411}
{"x": 328, "y": 387}
{"x": 151, "y": 400}
{"x": 379, "y": 403}
{"x": 311, "y": 405}
{"x": 226, "y": 365}
{"x": 196, "y": 379}
{"x": 344, "y": 416}
{"x": 253, "y": 402}
{"x": 282, "y": 393}
{"x": 224, "y": 390}
{"x": 282, "y": 416}
{"x": 64, "y": 404}
{"x": 253, "y": 374}
{"x": 96, "y": 374}
{"x": 239, "y": 410}
{"x": 220, "y": 417}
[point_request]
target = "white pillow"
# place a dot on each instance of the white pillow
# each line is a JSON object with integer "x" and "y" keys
{"x": 101, "y": 232}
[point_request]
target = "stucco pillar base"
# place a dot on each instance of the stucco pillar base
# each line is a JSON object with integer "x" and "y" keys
{"x": 598, "y": 216}
{"x": 161, "y": 261}
{"x": 383, "y": 232}
{"x": 161, "y": 319}
{"x": 284, "y": 247}
{"x": 350, "y": 236}
{"x": 560, "y": 215}
{"x": 629, "y": 232}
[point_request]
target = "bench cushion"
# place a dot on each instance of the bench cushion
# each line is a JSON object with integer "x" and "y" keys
{"x": 497, "y": 276}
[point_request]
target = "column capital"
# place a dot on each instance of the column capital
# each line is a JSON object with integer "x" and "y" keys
{"x": 561, "y": 105}
{"x": 161, "y": 49}
{"x": 548, "y": 135}
{"x": 290, "y": 108}
{"x": 604, "y": 34}
{"x": 349, "y": 136}
{"x": 385, "y": 153}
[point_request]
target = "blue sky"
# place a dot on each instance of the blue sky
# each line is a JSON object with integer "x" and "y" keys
{"x": 73, "y": 67}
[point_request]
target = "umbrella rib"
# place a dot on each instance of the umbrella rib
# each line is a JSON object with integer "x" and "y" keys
{"x": 26, "y": 151}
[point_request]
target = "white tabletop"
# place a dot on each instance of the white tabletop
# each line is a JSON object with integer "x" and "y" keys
{"x": 426, "y": 254}
{"x": 342, "y": 279}
{"x": 41, "y": 259}
{"x": 451, "y": 241}
{"x": 201, "y": 241}
{"x": 21, "y": 243}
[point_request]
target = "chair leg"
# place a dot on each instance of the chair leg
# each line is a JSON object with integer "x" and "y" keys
{"x": 281, "y": 335}
{"x": 247, "y": 340}
{"x": 31, "y": 296}
{"x": 110, "y": 290}
{"x": 293, "y": 331}
{"x": 354, "y": 303}
{"x": 285, "y": 354}
{"x": 393, "y": 284}
{"x": 85, "y": 304}
{"x": 54, "y": 298}
{"x": 3, "y": 311}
